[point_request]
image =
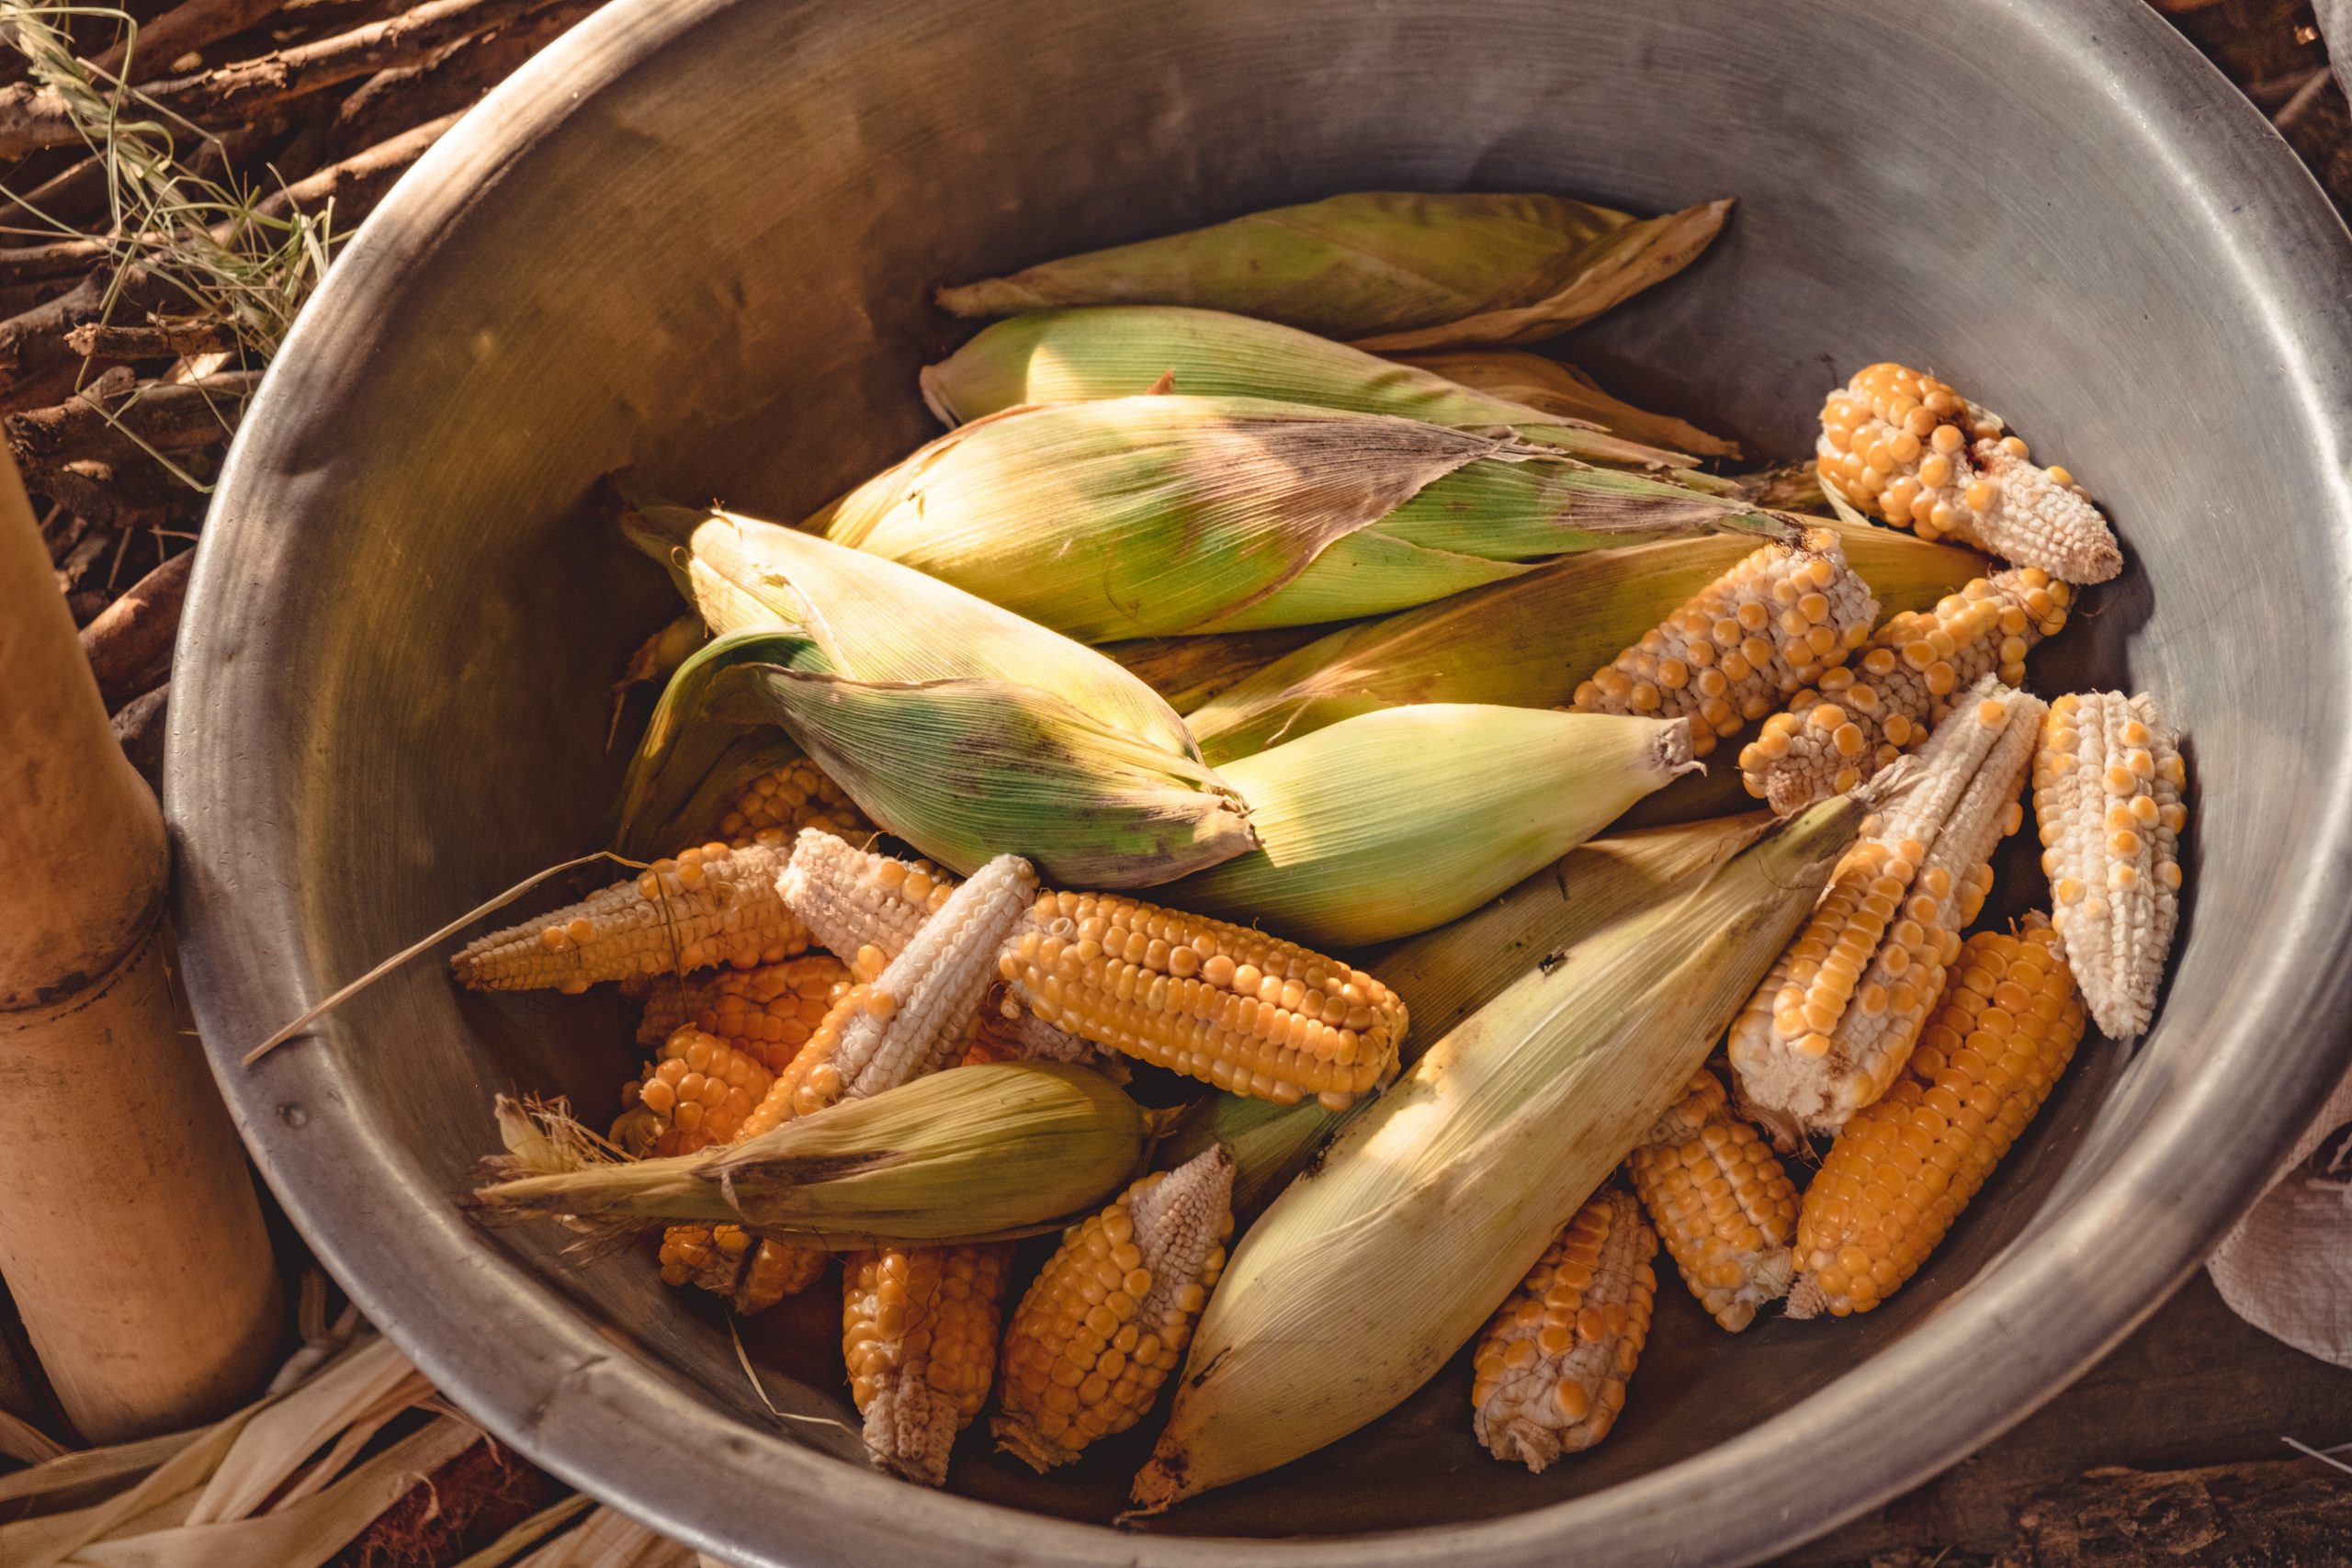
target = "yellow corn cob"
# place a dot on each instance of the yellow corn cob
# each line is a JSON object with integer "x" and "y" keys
{"x": 1766, "y": 629}
{"x": 696, "y": 1092}
{"x": 1860, "y": 720}
{"x": 1903, "y": 1169}
{"x": 1104, "y": 1322}
{"x": 712, "y": 905}
{"x": 1831, "y": 1025}
{"x": 912, "y": 1019}
{"x": 852, "y": 899}
{"x": 1901, "y": 442}
{"x": 1549, "y": 1373}
{"x": 769, "y": 1011}
{"x": 919, "y": 1331}
{"x": 1232, "y": 1006}
{"x": 1722, "y": 1202}
{"x": 2106, "y": 797}
{"x": 787, "y": 799}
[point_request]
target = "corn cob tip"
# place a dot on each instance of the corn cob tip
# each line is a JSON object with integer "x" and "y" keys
{"x": 1901, "y": 442}
{"x": 919, "y": 1331}
{"x": 1107, "y": 1319}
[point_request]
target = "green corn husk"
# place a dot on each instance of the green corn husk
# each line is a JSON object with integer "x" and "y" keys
{"x": 1552, "y": 386}
{"x": 875, "y": 620}
{"x": 1152, "y": 515}
{"x": 1400, "y": 821}
{"x": 1431, "y": 1206}
{"x": 1091, "y": 353}
{"x": 963, "y": 770}
{"x": 1527, "y": 642}
{"x": 1189, "y": 671}
{"x": 972, "y": 1154}
{"x": 1387, "y": 269}
{"x": 1446, "y": 974}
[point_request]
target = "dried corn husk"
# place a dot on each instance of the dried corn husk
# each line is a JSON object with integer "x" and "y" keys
{"x": 1552, "y": 386}
{"x": 1446, "y": 974}
{"x": 1147, "y": 516}
{"x": 1399, "y": 820}
{"x": 1432, "y": 1204}
{"x": 971, "y": 1154}
{"x": 1393, "y": 269}
{"x": 1087, "y": 353}
{"x": 1529, "y": 642}
{"x": 1189, "y": 671}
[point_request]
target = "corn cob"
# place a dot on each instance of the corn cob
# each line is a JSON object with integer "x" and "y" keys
{"x": 1722, "y": 1202}
{"x": 710, "y": 906}
{"x": 1394, "y": 270}
{"x": 1903, "y": 443}
{"x": 696, "y": 1092}
{"x": 1529, "y": 641}
{"x": 1903, "y": 1169}
{"x": 1436, "y": 1200}
{"x": 2106, "y": 797}
{"x": 919, "y": 1331}
{"x": 853, "y": 900}
{"x": 1550, "y": 1370}
{"x": 1860, "y": 720}
{"x": 1766, "y": 629}
{"x": 1087, "y": 352}
{"x": 1832, "y": 1024}
{"x": 1347, "y": 817}
{"x": 1101, "y": 1326}
{"x": 1231, "y": 1006}
{"x": 797, "y": 796}
{"x": 909, "y": 1020}
{"x": 1157, "y": 515}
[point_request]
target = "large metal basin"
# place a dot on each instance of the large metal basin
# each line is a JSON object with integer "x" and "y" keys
{"x": 699, "y": 235}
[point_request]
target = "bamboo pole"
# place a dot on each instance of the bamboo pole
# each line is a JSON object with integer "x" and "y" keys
{"x": 129, "y": 1234}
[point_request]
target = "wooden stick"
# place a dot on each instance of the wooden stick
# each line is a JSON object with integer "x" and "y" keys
{"x": 115, "y": 422}
{"x": 186, "y": 26}
{"x": 171, "y": 337}
{"x": 139, "y": 729}
{"x": 32, "y": 118}
{"x": 357, "y": 183}
{"x": 137, "y": 630}
{"x": 129, "y": 1234}
{"x": 386, "y": 104}
{"x": 33, "y": 344}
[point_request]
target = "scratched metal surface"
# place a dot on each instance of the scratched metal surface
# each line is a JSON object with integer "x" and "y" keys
{"x": 697, "y": 236}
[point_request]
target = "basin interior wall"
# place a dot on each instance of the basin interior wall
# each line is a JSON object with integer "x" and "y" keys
{"x": 716, "y": 267}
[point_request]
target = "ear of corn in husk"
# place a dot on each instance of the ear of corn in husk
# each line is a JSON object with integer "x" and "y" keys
{"x": 1394, "y": 822}
{"x": 1722, "y": 1202}
{"x": 1445, "y": 975}
{"x": 966, "y": 770}
{"x": 711, "y": 904}
{"x": 1550, "y": 1370}
{"x": 1224, "y": 1003}
{"x": 911, "y": 1019}
{"x": 1773, "y": 624}
{"x": 2107, "y": 786}
{"x": 1110, "y": 1314}
{"x": 983, "y": 1153}
{"x": 1141, "y": 516}
{"x": 655, "y": 660}
{"x": 919, "y": 1334}
{"x": 1552, "y": 386}
{"x": 1905, "y": 1166}
{"x": 1086, "y": 354}
{"x": 1901, "y": 442}
{"x": 1394, "y": 270}
{"x": 1515, "y": 1118}
{"x": 1832, "y": 1024}
{"x": 1861, "y": 717}
{"x": 1533, "y": 640}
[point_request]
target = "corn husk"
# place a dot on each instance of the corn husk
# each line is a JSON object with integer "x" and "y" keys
{"x": 1392, "y": 269}
{"x": 1087, "y": 353}
{"x": 1560, "y": 389}
{"x": 1529, "y": 642}
{"x": 1189, "y": 671}
{"x": 971, "y": 1154}
{"x": 1446, "y": 974}
{"x": 1400, "y": 821}
{"x": 1150, "y": 515}
{"x": 1429, "y": 1207}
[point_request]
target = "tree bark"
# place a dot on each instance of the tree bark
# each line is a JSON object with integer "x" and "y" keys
{"x": 131, "y": 635}
{"x": 186, "y": 26}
